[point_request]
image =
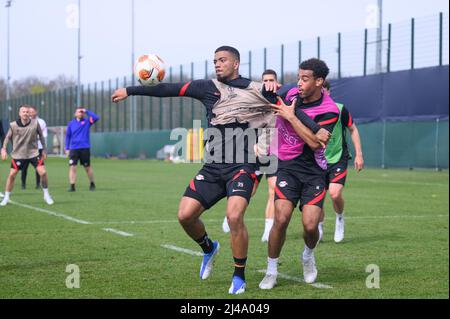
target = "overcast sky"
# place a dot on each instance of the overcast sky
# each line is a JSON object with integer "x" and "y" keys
{"x": 44, "y": 44}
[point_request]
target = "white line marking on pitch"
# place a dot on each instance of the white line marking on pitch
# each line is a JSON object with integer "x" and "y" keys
{"x": 183, "y": 250}
{"x": 118, "y": 232}
{"x": 49, "y": 212}
{"x": 297, "y": 279}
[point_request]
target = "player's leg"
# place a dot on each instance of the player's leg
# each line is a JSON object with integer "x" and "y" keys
{"x": 201, "y": 194}
{"x": 286, "y": 198}
{"x": 23, "y": 176}
{"x": 270, "y": 207}
{"x": 310, "y": 220}
{"x": 10, "y": 181}
{"x": 40, "y": 169}
{"x": 38, "y": 177}
{"x": 73, "y": 162}
{"x": 239, "y": 190}
{"x": 85, "y": 160}
{"x": 336, "y": 191}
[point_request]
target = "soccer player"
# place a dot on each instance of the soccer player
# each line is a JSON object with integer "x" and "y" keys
{"x": 337, "y": 156}
{"x": 24, "y": 133}
{"x": 78, "y": 145}
{"x": 301, "y": 168}
{"x": 232, "y": 103}
{"x": 33, "y": 112}
{"x": 268, "y": 76}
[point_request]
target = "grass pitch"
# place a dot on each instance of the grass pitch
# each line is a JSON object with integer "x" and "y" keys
{"x": 395, "y": 219}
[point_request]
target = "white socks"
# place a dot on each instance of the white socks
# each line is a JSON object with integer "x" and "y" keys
{"x": 272, "y": 266}
{"x": 267, "y": 227}
{"x": 45, "y": 191}
{"x": 308, "y": 253}
{"x": 339, "y": 216}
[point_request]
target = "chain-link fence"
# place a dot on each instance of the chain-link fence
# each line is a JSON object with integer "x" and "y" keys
{"x": 417, "y": 43}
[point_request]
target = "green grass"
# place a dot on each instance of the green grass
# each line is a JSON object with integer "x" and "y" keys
{"x": 396, "y": 219}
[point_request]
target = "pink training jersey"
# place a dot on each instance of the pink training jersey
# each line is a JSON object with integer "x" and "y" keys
{"x": 290, "y": 145}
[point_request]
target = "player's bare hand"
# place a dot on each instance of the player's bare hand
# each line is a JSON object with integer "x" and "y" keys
{"x": 4, "y": 154}
{"x": 67, "y": 152}
{"x": 359, "y": 163}
{"x": 285, "y": 111}
{"x": 119, "y": 95}
{"x": 44, "y": 155}
{"x": 272, "y": 86}
{"x": 323, "y": 136}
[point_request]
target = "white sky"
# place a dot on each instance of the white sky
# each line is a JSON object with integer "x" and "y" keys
{"x": 179, "y": 31}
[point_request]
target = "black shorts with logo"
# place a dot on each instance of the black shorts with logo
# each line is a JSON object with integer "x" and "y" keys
{"x": 295, "y": 186}
{"x": 82, "y": 154}
{"x": 337, "y": 173}
{"x": 20, "y": 164}
{"x": 216, "y": 181}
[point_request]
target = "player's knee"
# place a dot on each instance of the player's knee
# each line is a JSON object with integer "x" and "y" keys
{"x": 234, "y": 219}
{"x": 335, "y": 194}
{"x": 185, "y": 216}
{"x": 310, "y": 227}
{"x": 281, "y": 221}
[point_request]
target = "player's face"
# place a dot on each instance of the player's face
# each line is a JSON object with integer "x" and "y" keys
{"x": 32, "y": 112}
{"x": 226, "y": 65}
{"x": 79, "y": 113}
{"x": 307, "y": 84}
{"x": 24, "y": 114}
{"x": 269, "y": 78}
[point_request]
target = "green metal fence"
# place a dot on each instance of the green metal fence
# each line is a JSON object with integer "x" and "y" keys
{"x": 412, "y": 44}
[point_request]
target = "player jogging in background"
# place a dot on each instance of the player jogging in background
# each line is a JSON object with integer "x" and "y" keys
{"x": 33, "y": 112}
{"x": 232, "y": 103}
{"x": 301, "y": 169}
{"x": 24, "y": 133}
{"x": 268, "y": 76}
{"x": 337, "y": 156}
{"x": 78, "y": 145}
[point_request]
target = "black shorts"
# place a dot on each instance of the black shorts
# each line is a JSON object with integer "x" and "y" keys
{"x": 212, "y": 183}
{"x": 19, "y": 164}
{"x": 294, "y": 186}
{"x": 82, "y": 154}
{"x": 337, "y": 173}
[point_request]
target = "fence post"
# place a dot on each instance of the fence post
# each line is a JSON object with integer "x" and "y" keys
{"x": 180, "y": 114}
{"x": 250, "y": 64}
{"x": 125, "y": 106}
{"x": 110, "y": 106}
{"x": 436, "y": 147}
{"x": 383, "y": 145}
{"x": 299, "y": 52}
{"x": 206, "y": 69}
{"x": 440, "y": 37}
{"x": 170, "y": 100}
{"x": 365, "y": 52}
{"x": 412, "y": 43}
{"x": 388, "y": 67}
{"x": 265, "y": 59}
{"x": 339, "y": 55}
{"x": 192, "y": 100}
{"x": 318, "y": 47}
{"x": 117, "y": 109}
{"x": 282, "y": 63}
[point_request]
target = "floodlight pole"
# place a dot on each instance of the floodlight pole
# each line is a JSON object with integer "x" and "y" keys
{"x": 133, "y": 117}
{"x": 8, "y": 76}
{"x": 79, "y": 56}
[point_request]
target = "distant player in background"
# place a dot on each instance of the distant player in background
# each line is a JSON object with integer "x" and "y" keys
{"x": 78, "y": 146}
{"x": 268, "y": 76}
{"x": 33, "y": 113}
{"x": 337, "y": 157}
{"x": 24, "y": 133}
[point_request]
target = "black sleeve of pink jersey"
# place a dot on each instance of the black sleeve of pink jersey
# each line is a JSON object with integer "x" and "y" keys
{"x": 196, "y": 89}
{"x": 307, "y": 121}
{"x": 346, "y": 118}
{"x": 327, "y": 120}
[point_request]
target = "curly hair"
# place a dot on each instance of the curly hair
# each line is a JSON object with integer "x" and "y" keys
{"x": 319, "y": 67}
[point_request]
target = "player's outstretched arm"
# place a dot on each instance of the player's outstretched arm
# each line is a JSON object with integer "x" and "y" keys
{"x": 119, "y": 95}
{"x": 5, "y": 145}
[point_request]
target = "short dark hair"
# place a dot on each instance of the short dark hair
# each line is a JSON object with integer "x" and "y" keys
{"x": 24, "y": 105}
{"x": 319, "y": 67}
{"x": 270, "y": 71}
{"x": 232, "y": 50}
{"x": 32, "y": 107}
{"x": 326, "y": 84}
